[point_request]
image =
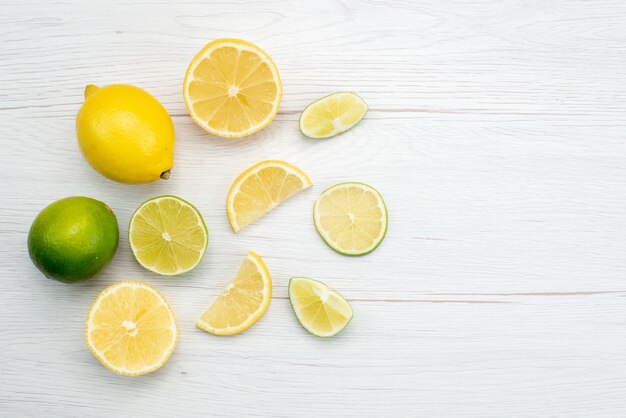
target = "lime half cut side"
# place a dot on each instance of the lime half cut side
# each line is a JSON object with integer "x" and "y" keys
{"x": 351, "y": 218}
{"x": 167, "y": 235}
{"x": 332, "y": 115}
{"x": 319, "y": 309}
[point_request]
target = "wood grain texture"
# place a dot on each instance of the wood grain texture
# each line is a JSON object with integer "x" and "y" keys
{"x": 496, "y": 136}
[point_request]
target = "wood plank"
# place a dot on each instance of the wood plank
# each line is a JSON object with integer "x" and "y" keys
{"x": 496, "y": 136}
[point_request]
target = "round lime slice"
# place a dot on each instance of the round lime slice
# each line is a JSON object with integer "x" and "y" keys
{"x": 351, "y": 218}
{"x": 167, "y": 235}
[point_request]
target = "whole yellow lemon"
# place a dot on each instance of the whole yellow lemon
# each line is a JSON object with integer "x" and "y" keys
{"x": 125, "y": 134}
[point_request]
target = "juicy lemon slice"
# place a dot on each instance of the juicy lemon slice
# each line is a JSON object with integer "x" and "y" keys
{"x": 332, "y": 115}
{"x": 260, "y": 189}
{"x": 351, "y": 218}
{"x": 232, "y": 88}
{"x": 244, "y": 301}
{"x": 167, "y": 235}
{"x": 131, "y": 329}
{"x": 320, "y": 310}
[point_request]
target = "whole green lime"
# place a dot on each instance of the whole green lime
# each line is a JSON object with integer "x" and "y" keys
{"x": 73, "y": 239}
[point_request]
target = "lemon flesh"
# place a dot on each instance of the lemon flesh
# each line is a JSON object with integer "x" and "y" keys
{"x": 125, "y": 134}
{"x": 261, "y": 188}
{"x": 232, "y": 88}
{"x": 332, "y": 115}
{"x": 131, "y": 328}
{"x": 351, "y": 218}
{"x": 319, "y": 309}
{"x": 167, "y": 235}
{"x": 244, "y": 301}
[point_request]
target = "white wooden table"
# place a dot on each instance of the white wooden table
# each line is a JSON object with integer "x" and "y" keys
{"x": 496, "y": 134}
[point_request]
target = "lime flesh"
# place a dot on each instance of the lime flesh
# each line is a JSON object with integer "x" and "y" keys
{"x": 73, "y": 239}
{"x": 320, "y": 310}
{"x": 167, "y": 235}
{"x": 332, "y": 115}
{"x": 351, "y": 218}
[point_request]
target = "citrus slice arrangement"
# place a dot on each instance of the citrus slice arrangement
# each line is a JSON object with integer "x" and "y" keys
{"x": 332, "y": 115}
{"x": 231, "y": 89}
{"x": 243, "y": 302}
{"x": 260, "y": 189}
{"x": 351, "y": 218}
{"x": 131, "y": 328}
{"x": 167, "y": 235}
{"x": 319, "y": 309}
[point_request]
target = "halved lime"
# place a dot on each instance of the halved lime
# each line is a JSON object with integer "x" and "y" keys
{"x": 332, "y": 115}
{"x": 320, "y": 310}
{"x": 167, "y": 235}
{"x": 351, "y": 218}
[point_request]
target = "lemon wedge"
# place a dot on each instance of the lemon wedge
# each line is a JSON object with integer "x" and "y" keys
{"x": 243, "y": 302}
{"x": 260, "y": 189}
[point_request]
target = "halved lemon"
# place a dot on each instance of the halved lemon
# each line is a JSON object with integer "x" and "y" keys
{"x": 260, "y": 189}
{"x": 232, "y": 88}
{"x": 131, "y": 329}
{"x": 167, "y": 235}
{"x": 244, "y": 301}
{"x": 351, "y": 218}
{"x": 332, "y": 115}
{"x": 321, "y": 310}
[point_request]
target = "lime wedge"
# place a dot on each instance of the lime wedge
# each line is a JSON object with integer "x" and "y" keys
{"x": 167, "y": 235}
{"x": 351, "y": 218}
{"x": 332, "y": 115}
{"x": 320, "y": 310}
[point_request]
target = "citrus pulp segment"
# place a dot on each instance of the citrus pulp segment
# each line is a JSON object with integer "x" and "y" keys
{"x": 260, "y": 189}
{"x": 332, "y": 115}
{"x": 232, "y": 88}
{"x": 243, "y": 302}
{"x": 131, "y": 328}
{"x": 351, "y": 218}
{"x": 167, "y": 235}
{"x": 319, "y": 309}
